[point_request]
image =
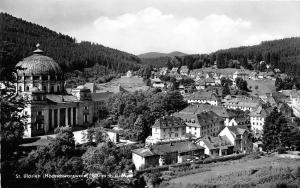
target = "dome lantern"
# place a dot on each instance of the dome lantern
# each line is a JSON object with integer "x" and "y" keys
{"x": 38, "y": 51}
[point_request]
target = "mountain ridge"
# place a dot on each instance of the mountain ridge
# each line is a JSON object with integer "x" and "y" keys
{"x": 159, "y": 54}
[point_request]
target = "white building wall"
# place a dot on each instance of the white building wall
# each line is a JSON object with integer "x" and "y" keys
{"x": 138, "y": 161}
{"x": 226, "y": 132}
{"x": 257, "y": 123}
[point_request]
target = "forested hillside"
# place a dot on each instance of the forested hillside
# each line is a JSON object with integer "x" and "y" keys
{"x": 283, "y": 54}
{"x": 158, "y": 54}
{"x": 19, "y": 37}
{"x": 192, "y": 61}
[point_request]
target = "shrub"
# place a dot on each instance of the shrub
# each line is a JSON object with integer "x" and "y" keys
{"x": 281, "y": 150}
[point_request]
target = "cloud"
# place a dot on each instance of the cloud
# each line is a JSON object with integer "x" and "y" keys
{"x": 152, "y": 30}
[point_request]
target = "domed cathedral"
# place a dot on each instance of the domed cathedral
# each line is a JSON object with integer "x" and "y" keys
{"x": 41, "y": 72}
{"x": 41, "y": 81}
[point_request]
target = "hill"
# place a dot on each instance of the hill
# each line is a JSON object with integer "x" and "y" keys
{"x": 19, "y": 38}
{"x": 158, "y": 54}
{"x": 261, "y": 172}
{"x": 283, "y": 54}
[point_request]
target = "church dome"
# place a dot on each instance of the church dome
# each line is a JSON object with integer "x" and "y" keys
{"x": 38, "y": 64}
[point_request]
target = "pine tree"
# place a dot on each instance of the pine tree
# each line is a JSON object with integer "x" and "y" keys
{"x": 271, "y": 131}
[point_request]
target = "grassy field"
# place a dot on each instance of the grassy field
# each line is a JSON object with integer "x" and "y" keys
{"x": 226, "y": 71}
{"x": 264, "y": 86}
{"x": 262, "y": 172}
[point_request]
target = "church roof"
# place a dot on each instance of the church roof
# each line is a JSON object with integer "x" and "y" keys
{"x": 38, "y": 64}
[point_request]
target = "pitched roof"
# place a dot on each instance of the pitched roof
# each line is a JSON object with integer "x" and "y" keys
{"x": 101, "y": 96}
{"x": 210, "y": 80}
{"x": 237, "y": 130}
{"x": 145, "y": 152}
{"x": 169, "y": 121}
{"x": 180, "y": 147}
{"x": 197, "y": 109}
{"x": 216, "y": 142}
{"x": 203, "y": 95}
{"x": 259, "y": 112}
{"x": 208, "y": 118}
{"x": 61, "y": 98}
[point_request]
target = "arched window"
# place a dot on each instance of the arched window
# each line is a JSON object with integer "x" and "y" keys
{"x": 57, "y": 88}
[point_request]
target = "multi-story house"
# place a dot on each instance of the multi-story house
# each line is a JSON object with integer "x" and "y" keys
{"x": 258, "y": 117}
{"x": 216, "y": 146}
{"x": 240, "y": 137}
{"x": 166, "y": 129}
{"x": 241, "y": 103}
{"x": 184, "y": 70}
{"x": 203, "y": 97}
{"x": 240, "y": 74}
{"x": 193, "y": 110}
{"x": 165, "y": 154}
{"x": 157, "y": 83}
{"x": 163, "y": 71}
{"x": 202, "y": 123}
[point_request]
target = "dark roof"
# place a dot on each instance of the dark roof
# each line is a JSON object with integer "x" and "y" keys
{"x": 169, "y": 121}
{"x": 209, "y": 118}
{"x": 61, "y": 98}
{"x": 180, "y": 147}
{"x": 203, "y": 95}
{"x": 144, "y": 152}
{"x": 260, "y": 112}
{"x": 165, "y": 148}
{"x": 197, "y": 109}
{"x": 216, "y": 142}
{"x": 237, "y": 130}
{"x": 101, "y": 96}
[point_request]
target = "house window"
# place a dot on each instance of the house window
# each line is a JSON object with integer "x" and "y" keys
{"x": 176, "y": 134}
{"x": 27, "y": 88}
{"x": 20, "y": 88}
{"x": 57, "y": 88}
{"x": 86, "y": 107}
{"x": 176, "y": 129}
{"x": 44, "y": 88}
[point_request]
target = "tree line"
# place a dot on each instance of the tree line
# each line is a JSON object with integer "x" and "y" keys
{"x": 19, "y": 38}
{"x": 283, "y": 54}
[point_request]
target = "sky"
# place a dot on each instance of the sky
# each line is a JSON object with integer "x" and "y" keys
{"x": 140, "y": 26}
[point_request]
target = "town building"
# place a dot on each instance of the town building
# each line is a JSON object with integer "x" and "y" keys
{"x": 242, "y": 103}
{"x": 216, "y": 146}
{"x": 166, "y": 129}
{"x": 165, "y": 154}
{"x": 41, "y": 81}
{"x": 163, "y": 71}
{"x": 184, "y": 70}
{"x": 240, "y": 74}
{"x": 203, "y": 97}
{"x": 100, "y": 101}
{"x": 157, "y": 83}
{"x": 202, "y": 123}
{"x": 239, "y": 136}
{"x": 193, "y": 110}
{"x": 240, "y": 120}
{"x": 258, "y": 117}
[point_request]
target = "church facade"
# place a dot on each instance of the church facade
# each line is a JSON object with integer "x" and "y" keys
{"x": 41, "y": 82}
